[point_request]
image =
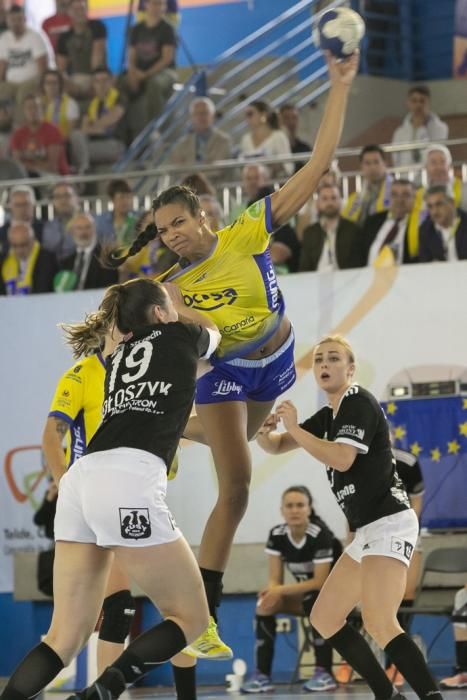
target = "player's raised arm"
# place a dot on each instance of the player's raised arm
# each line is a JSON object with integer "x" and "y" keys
{"x": 298, "y": 189}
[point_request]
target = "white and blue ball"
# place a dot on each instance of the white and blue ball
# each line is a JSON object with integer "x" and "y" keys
{"x": 339, "y": 31}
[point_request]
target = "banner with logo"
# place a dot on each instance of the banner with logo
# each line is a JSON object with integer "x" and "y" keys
{"x": 408, "y": 319}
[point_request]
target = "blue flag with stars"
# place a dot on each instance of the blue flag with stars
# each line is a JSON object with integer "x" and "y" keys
{"x": 435, "y": 431}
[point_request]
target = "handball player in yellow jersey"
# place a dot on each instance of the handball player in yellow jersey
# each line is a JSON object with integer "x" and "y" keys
{"x": 228, "y": 275}
{"x": 75, "y": 414}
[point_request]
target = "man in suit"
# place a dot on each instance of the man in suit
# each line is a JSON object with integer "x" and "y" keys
{"x": 27, "y": 268}
{"x": 85, "y": 260}
{"x": 444, "y": 235}
{"x": 332, "y": 243}
{"x": 386, "y": 234}
{"x": 20, "y": 207}
{"x": 203, "y": 143}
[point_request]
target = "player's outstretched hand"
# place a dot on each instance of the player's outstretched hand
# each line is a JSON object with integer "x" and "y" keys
{"x": 342, "y": 71}
{"x": 287, "y": 413}
{"x": 269, "y": 425}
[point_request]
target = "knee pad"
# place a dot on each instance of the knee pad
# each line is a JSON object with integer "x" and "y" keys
{"x": 118, "y": 611}
{"x": 460, "y": 607}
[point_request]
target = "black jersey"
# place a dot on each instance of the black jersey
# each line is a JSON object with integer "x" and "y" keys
{"x": 149, "y": 389}
{"x": 370, "y": 489}
{"x": 317, "y": 547}
{"x": 410, "y": 472}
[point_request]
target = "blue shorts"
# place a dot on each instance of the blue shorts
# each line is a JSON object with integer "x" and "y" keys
{"x": 241, "y": 379}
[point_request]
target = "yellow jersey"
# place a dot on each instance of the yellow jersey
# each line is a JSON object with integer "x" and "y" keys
{"x": 78, "y": 400}
{"x": 353, "y": 207}
{"x": 235, "y": 285}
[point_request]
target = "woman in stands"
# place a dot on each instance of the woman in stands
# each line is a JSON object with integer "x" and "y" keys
{"x": 307, "y": 548}
{"x": 351, "y": 437}
{"x": 112, "y": 500}
{"x": 229, "y": 276}
{"x": 265, "y": 138}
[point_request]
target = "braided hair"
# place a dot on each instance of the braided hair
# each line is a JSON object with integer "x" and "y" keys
{"x": 124, "y": 306}
{"x": 114, "y": 256}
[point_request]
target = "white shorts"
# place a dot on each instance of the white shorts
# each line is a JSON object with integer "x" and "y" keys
{"x": 115, "y": 498}
{"x": 392, "y": 536}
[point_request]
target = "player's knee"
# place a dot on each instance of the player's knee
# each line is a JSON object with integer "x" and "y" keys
{"x": 118, "y": 612}
{"x": 382, "y": 628}
{"x": 234, "y": 497}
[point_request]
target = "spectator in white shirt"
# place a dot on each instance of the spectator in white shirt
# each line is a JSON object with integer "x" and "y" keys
{"x": 264, "y": 138}
{"x": 420, "y": 124}
{"x": 23, "y": 57}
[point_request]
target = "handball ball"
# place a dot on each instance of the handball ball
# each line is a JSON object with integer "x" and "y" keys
{"x": 339, "y": 31}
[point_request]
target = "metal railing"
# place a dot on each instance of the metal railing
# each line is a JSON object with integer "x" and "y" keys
{"x": 277, "y": 63}
{"x": 229, "y": 192}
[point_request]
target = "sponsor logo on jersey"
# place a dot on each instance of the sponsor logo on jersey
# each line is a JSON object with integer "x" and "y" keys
{"x": 211, "y": 301}
{"x": 137, "y": 396}
{"x": 351, "y": 431}
{"x": 77, "y": 369}
{"x": 273, "y": 287}
{"x": 201, "y": 278}
{"x": 135, "y": 523}
{"x": 65, "y": 393}
{"x": 255, "y": 210}
{"x": 224, "y": 388}
{"x": 348, "y": 490}
{"x": 240, "y": 324}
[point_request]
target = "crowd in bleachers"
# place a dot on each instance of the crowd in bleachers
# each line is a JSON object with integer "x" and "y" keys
{"x": 79, "y": 118}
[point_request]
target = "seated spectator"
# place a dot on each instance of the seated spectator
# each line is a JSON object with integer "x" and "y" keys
{"x": 6, "y": 126}
{"x": 419, "y": 125}
{"x": 265, "y": 139}
{"x": 38, "y": 145}
{"x": 213, "y": 211}
{"x": 61, "y": 110}
{"x": 307, "y": 548}
{"x": 87, "y": 271}
{"x": 204, "y": 143}
{"x": 308, "y": 214}
{"x": 57, "y": 24}
{"x": 20, "y": 208}
{"x": 443, "y": 236}
{"x": 56, "y": 235}
{"x": 289, "y": 119}
{"x": 27, "y": 268}
{"x": 459, "y": 679}
{"x": 81, "y": 49}
{"x": 333, "y": 242}
{"x": 23, "y": 57}
{"x": 256, "y": 184}
{"x": 438, "y": 166}
{"x": 101, "y": 121}
{"x": 121, "y": 225}
{"x": 389, "y": 236}
{"x": 284, "y": 247}
{"x": 151, "y": 62}
{"x": 376, "y": 189}
{"x": 199, "y": 183}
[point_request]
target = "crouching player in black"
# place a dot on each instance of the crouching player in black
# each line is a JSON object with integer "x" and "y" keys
{"x": 308, "y": 548}
{"x": 112, "y": 500}
{"x": 351, "y": 437}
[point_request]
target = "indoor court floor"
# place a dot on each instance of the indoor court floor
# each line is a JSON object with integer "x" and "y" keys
{"x": 282, "y": 692}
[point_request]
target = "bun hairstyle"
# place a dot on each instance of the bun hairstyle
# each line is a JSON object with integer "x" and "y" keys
{"x": 115, "y": 256}
{"x": 124, "y": 306}
{"x": 272, "y": 117}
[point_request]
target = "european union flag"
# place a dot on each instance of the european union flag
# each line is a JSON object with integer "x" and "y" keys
{"x": 435, "y": 431}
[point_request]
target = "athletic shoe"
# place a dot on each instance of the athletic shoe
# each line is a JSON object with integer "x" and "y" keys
{"x": 319, "y": 681}
{"x": 395, "y": 676}
{"x": 455, "y": 682}
{"x": 209, "y": 645}
{"x": 259, "y": 683}
{"x": 343, "y": 673}
{"x": 110, "y": 686}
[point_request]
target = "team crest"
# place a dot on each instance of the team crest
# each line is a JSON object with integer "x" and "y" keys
{"x": 135, "y": 523}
